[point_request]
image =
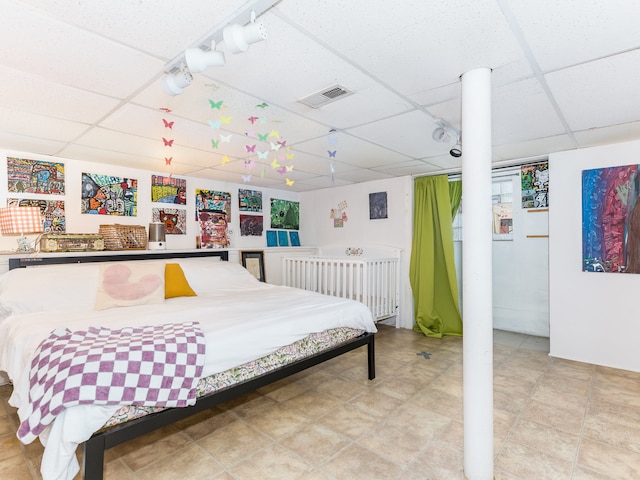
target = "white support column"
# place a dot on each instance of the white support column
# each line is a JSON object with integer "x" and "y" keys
{"x": 477, "y": 274}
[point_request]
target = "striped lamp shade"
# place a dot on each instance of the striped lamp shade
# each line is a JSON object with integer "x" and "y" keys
{"x": 19, "y": 220}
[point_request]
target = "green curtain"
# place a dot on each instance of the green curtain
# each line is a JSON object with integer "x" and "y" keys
{"x": 432, "y": 269}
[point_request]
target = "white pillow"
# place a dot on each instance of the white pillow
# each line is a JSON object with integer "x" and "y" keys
{"x": 123, "y": 284}
{"x": 214, "y": 277}
{"x": 49, "y": 288}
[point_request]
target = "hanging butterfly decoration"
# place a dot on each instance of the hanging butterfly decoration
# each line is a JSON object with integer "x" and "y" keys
{"x": 167, "y": 160}
{"x": 216, "y": 105}
{"x": 167, "y": 124}
{"x": 167, "y": 143}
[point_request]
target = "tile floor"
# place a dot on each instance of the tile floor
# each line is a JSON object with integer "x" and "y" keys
{"x": 554, "y": 419}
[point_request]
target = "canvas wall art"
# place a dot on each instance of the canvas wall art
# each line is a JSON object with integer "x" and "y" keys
{"x": 168, "y": 189}
{"x": 377, "y": 205}
{"x": 107, "y": 195}
{"x": 212, "y": 200}
{"x": 535, "y": 185}
{"x": 174, "y": 219}
{"x": 53, "y": 217}
{"x": 285, "y": 214}
{"x": 250, "y": 200}
{"x": 35, "y": 176}
{"x": 611, "y": 219}
{"x": 214, "y": 229}
{"x": 251, "y": 225}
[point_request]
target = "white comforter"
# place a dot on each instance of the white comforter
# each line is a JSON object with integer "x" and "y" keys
{"x": 240, "y": 323}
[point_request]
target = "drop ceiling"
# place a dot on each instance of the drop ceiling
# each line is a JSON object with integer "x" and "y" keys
{"x": 82, "y": 80}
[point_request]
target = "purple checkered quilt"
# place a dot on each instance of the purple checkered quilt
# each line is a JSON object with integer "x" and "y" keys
{"x": 152, "y": 366}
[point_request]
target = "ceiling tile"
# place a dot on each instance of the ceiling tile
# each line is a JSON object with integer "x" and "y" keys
{"x": 72, "y": 56}
{"x": 409, "y": 134}
{"x": 35, "y": 94}
{"x": 613, "y": 81}
{"x": 159, "y": 28}
{"x": 575, "y": 31}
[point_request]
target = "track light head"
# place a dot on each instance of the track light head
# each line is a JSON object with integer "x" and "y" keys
{"x": 199, "y": 60}
{"x": 238, "y": 38}
{"x": 175, "y": 83}
{"x": 456, "y": 150}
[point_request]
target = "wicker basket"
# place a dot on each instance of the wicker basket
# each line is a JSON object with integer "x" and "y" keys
{"x": 124, "y": 237}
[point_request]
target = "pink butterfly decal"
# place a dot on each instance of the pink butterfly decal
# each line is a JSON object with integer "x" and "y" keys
{"x": 252, "y": 119}
{"x": 282, "y": 143}
{"x": 167, "y": 143}
{"x": 165, "y": 110}
{"x": 282, "y": 170}
{"x": 249, "y": 164}
{"x": 167, "y": 160}
{"x": 250, "y": 149}
{"x": 332, "y": 153}
{"x": 167, "y": 124}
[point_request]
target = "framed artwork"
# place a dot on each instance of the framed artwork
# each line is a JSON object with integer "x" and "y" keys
{"x": 35, "y": 176}
{"x": 253, "y": 261}
{"x": 168, "y": 190}
{"x": 285, "y": 214}
{"x": 108, "y": 195}
{"x": 377, "y": 205}
{"x": 295, "y": 239}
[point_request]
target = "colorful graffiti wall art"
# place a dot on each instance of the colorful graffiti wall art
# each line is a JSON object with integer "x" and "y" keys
{"x": 535, "y": 185}
{"x": 107, "y": 195}
{"x": 212, "y": 200}
{"x": 168, "y": 189}
{"x": 611, "y": 219}
{"x": 35, "y": 176}
{"x": 214, "y": 229}
{"x": 53, "y": 217}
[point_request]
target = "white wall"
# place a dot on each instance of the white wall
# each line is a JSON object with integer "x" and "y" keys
{"x": 361, "y": 232}
{"x": 85, "y": 223}
{"x": 593, "y": 316}
{"x": 520, "y": 271}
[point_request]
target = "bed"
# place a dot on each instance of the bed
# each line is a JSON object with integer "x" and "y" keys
{"x": 241, "y": 345}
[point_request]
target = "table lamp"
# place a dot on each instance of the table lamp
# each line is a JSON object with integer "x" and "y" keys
{"x": 20, "y": 221}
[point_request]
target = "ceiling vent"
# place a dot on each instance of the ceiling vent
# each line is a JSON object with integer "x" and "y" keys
{"x": 325, "y": 96}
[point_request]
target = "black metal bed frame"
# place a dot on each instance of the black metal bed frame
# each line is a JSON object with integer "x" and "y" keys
{"x": 95, "y": 447}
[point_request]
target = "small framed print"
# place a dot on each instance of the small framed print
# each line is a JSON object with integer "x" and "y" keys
{"x": 254, "y": 263}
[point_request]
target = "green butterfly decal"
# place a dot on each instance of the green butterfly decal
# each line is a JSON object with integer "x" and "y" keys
{"x": 217, "y": 105}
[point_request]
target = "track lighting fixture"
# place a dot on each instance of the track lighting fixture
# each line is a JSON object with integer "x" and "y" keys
{"x": 238, "y": 38}
{"x": 446, "y": 134}
{"x": 199, "y": 60}
{"x": 175, "y": 83}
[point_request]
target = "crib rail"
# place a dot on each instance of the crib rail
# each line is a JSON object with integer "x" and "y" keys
{"x": 373, "y": 281}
